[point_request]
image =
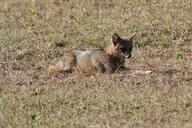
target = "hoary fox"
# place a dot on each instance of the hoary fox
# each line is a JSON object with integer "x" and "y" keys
{"x": 107, "y": 59}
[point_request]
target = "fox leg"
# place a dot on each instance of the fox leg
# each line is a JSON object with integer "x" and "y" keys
{"x": 108, "y": 67}
{"x": 98, "y": 65}
{"x": 104, "y": 67}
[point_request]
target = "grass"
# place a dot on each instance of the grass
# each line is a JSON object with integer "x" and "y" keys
{"x": 34, "y": 34}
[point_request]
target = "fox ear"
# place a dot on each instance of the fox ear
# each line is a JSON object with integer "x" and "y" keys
{"x": 115, "y": 38}
{"x": 132, "y": 37}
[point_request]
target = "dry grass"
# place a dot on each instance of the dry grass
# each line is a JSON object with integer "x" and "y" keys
{"x": 33, "y": 34}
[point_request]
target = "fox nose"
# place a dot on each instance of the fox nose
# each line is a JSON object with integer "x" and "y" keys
{"x": 129, "y": 56}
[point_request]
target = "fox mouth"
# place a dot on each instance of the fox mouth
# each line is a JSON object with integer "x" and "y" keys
{"x": 127, "y": 55}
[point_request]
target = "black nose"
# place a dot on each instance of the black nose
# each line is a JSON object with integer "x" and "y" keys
{"x": 129, "y": 56}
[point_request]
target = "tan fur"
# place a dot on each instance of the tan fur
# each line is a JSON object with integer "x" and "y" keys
{"x": 95, "y": 60}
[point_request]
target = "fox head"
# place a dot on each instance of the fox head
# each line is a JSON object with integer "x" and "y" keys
{"x": 125, "y": 46}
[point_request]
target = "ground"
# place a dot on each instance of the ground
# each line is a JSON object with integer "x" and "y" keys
{"x": 155, "y": 91}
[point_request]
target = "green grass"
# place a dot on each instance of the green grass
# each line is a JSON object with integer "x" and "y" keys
{"x": 34, "y": 34}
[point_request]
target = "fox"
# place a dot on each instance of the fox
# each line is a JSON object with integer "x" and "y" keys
{"x": 107, "y": 59}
